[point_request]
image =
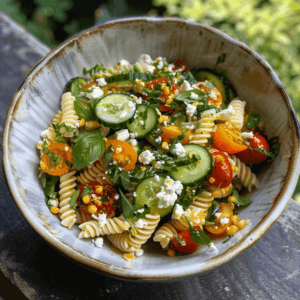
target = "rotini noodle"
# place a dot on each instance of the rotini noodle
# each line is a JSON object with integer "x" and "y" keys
{"x": 203, "y": 201}
{"x": 238, "y": 117}
{"x": 82, "y": 217}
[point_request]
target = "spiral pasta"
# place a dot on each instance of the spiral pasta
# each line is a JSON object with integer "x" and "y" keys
{"x": 82, "y": 217}
{"x": 229, "y": 189}
{"x": 203, "y": 201}
{"x": 248, "y": 179}
{"x": 94, "y": 172}
{"x": 112, "y": 226}
{"x": 206, "y": 130}
{"x": 66, "y": 190}
{"x": 126, "y": 243}
{"x": 238, "y": 117}
{"x": 69, "y": 117}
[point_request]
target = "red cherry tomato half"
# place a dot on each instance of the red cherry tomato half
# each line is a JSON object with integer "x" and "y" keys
{"x": 258, "y": 141}
{"x": 190, "y": 245}
{"x": 179, "y": 64}
{"x": 222, "y": 171}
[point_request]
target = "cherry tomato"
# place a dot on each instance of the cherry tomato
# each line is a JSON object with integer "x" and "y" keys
{"x": 95, "y": 198}
{"x": 190, "y": 245}
{"x": 153, "y": 83}
{"x": 179, "y": 64}
{"x": 218, "y": 228}
{"x": 63, "y": 151}
{"x": 222, "y": 171}
{"x": 258, "y": 141}
{"x": 174, "y": 86}
{"x": 173, "y": 131}
{"x": 164, "y": 108}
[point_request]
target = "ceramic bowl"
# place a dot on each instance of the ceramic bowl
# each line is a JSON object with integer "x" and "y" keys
{"x": 38, "y": 99}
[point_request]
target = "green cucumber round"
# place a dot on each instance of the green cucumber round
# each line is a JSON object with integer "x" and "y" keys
{"x": 115, "y": 109}
{"x": 145, "y": 121}
{"x": 196, "y": 172}
{"x": 145, "y": 194}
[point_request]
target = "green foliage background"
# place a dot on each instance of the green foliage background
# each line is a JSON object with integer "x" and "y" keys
{"x": 270, "y": 27}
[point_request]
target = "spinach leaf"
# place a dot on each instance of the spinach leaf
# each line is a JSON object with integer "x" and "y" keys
{"x": 84, "y": 111}
{"x": 89, "y": 146}
{"x": 127, "y": 209}
{"x": 73, "y": 199}
{"x": 252, "y": 121}
{"x": 198, "y": 236}
{"x": 240, "y": 200}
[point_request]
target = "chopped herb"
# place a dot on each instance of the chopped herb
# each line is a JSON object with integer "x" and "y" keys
{"x": 240, "y": 200}
{"x": 229, "y": 237}
{"x": 182, "y": 242}
{"x": 84, "y": 111}
{"x": 96, "y": 69}
{"x": 73, "y": 199}
{"x": 252, "y": 121}
{"x": 198, "y": 236}
{"x": 105, "y": 199}
{"x": 127, "y": 209}
{"x": 107, "y": 156}
{"x": 57, "y": 129}
{"x": 221, "y": 59}
{"x": 87, "y": 190}
{"x": 69, "y": 164}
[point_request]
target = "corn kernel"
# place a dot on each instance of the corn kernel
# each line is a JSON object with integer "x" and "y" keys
{"x": 169, "y": 101}
{"x": 166, "y": 91}
{"x": 242, "y": 224}
{"x": 163, "y": 86}
{"x": 90, "y": 125}
{"x": 86, "y": 199}
{"x": 227, "y": 189}
{"x": 216, "y": 194}
{"x": 119, "y": 150}
{"x": 211, "y": 180}
{"x": 232, "y": 205}
{"x": 143, "y": 169}
{"x": 54, "y": 210}
{"x": 132, "y": 232}
{"x": 92, "y": 209}
{"x": 165, "y": 145}
{"x": 232, "y": 230}
{"x": 219, "y": 158}
{"x": 135, "y": 97}
{"x": 235, "y": 220}
{"x": 82, "y": 122}
{"x": 236, "y": 169}
{"x": 128, "y": 256}
{"x": 105, "y": 140}
{"x": 190, "y": 155}
{"x": 194, "y": 104}
{"x": 223, "y": 192}
{"x": 232, "y": 199}
{"x": 99, "y": 189}
{"x": 97, "y": 202}
{"x": 42, "y": 165}
{"x": 171, "y": 252}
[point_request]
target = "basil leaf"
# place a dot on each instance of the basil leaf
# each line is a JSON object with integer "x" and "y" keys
{"x": 181, "y": 242}
{"x": 265, "y": 152}
{"x": 69, "y": 164}
{"x": 198, "y": 235}
{"x": 107, "y": 156}
{"x": 105, "y": 199}
{"x": 76, "y": 85}
{"x": 125, "y": 179}
{"x": 84, "y": 111}
{"x": 96, "y": 69}
{"x": 127, "y": 209}
{"x": 58, "y": 127}
{"x": 252, "y": 121}
{"x": 73, "y": 199}
{"x": 186, "y": 96}
{"x": 83, "y": 98}
{"x": 188, "y": 76}
{"x": 49, "y": 186}
{"x": 187, "y": 199}
{"x": 89, "y": 146}
{"x": 93, "y": 103}
{"x": 87, "y": 190}
{"x": 209, "y": 223}
{"x": 221, "y": 59}
{"x": 241, "y": 201}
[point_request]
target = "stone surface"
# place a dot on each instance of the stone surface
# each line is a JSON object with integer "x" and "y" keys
{"x": 268, "y": 270}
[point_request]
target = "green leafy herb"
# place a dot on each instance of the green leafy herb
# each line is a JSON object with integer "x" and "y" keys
{"x": 82, "y": 98}
{"x": 87, "y": 190}
{"x": 58, "y": 129}
{"x": 105, "y": 199}
{"x": 229, "y": 237}
{"x": 96, "y": 69}
{"x": 138, "y": 174}
{"x": 75, "y": 86}
{"x": 119, "y": 176}
{"x": 221, "y": 59}
{"x": 210, "y": 141}
{"x": 210, "y": 85}
{"x": 89, "y": 146}
{"x": 127, "y": 209}
{"x": 84, "y": 111}
{"x": 93, "y": 103}
{"x": 198, "y": 126}
{"x": 188, "y": 76}
{"x": 69, "y": 164}
{"x": 198, "y": 235}
{"x": 162, "y": 63}
{"x": 49, "y": 184}
{"x": 209, "y": 223}
{"x": 252, "y": 121}
{"x": 181, "y": 242}
{"x": 186, "y": 198}
{"x": 73, "y": 199}
{"x": 202, "y": 108}
{"x": 107, "y": 156}
{"x": 54, "y": 159}
{"x": 168, "y": 164}
{"x": 274, "y": 146}
{"x": 186, "y": 96}
{"x": 265, "y": 152}
{"x": 139, "y": 215}
{"x": 240, "y": 200}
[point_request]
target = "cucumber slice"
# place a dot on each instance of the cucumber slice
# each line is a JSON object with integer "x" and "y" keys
{"x": 146, "y": 120}
{"x": 115, "y": 109}
{"x": 129, "y": 76}
{"x": 146, "y": 192}
{"x": 196, "y": 172}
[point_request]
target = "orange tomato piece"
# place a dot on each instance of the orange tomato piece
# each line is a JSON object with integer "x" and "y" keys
{"x": 62, "y": 150}
{"x": 212, "y": 100}
{"x": 124, "y": 154}
{"x": 90, "y": 84}
{"x": 173, "y": 131}
{"x": 218, "y": 228}
{"x": 224, "y": 141}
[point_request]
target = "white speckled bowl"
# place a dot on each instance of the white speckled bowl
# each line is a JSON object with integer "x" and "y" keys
{"x": 38, "y": 99}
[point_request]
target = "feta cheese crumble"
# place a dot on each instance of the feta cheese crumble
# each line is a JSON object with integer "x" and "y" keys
{"x": 133, "y": 142}
{"x": 193, "y": 96}
{"x": 146, "y": 157}
{"x": 224, "y": 221}
{"x": 225, "y": 114}
{"x": 101, "y": 81}
{"x": 178, "y": 150}
{"x": 158, "y": 140}
{"x": 156, "y": 177}
{"x": 96, "y": 93}
{"x": 140, "y": 223}
{"x": 190, "y": 109}
{"x": 247, "y": 135}
{"x": 123, "y": 114}
{"x": 185, "y": 86}
{"x": 141, "y": 122}
{"x": 122, "y": 135}
{"x": 101, "y": 219}
{"x": 178, "y": 212}
{"x": 98, "y": 242}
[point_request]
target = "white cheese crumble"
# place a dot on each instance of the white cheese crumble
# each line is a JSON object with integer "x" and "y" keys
{"x": 169, "y": 192}
{"x": 98, "y": 242}
{"x": 224, "y": 221}
{"x": 158, "y": 140}
{"x": 178, "y": 212}
{"x": 117, "y": 197}
{"x": 122, "y": 135}
{"x": 212, "y": 247}
{"x": 101, "y": 81}
{"x": 123, "y": 114}
{"x": 141, "y": 122}
{"x": 140, "y": 211}
{"x": 138, "y": 253}
{"x": 146, "y": 157}
{"x": 178, "y": 150}
{"x": 160, "y": 65}
{"x": 146, "y": 59}
{"x": 159, "y": 165}
{"x": 247, "y": 135}
{"x": 156, "y": 177}
{"x": 190, "y": 109}
{"x": 134, "y": 194}
{"x": 191, "y": 127}
{"x": 53, "y": 203}
{"x": 140, "y": 223}
{"x": 44, "y": 133}
{"x": 131, "y": 104}
{"x": 96, "y": 93}
{"x": 218, "y": 215}
{"x": 185, "y": 86}
{"x": 133, "y": 142}
{"x": 193, "y": 96}
{"x": 139, "y": 100}
{"x": 225, "y": 114}
{"x": 101, "y": 219}
{"x": 213, "y": 95}
{"x": 133, "y": 135}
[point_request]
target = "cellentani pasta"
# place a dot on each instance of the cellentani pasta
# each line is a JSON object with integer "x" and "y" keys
{"x": 151, "y": 150}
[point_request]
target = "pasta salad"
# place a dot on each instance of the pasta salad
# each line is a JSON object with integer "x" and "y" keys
{"x": 151, "y": 149}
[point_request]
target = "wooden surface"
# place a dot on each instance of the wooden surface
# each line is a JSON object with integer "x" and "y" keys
{"x": 31, "y": 269}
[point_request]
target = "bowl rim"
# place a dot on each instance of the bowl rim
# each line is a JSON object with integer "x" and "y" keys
{"x": 251, "y": 238}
